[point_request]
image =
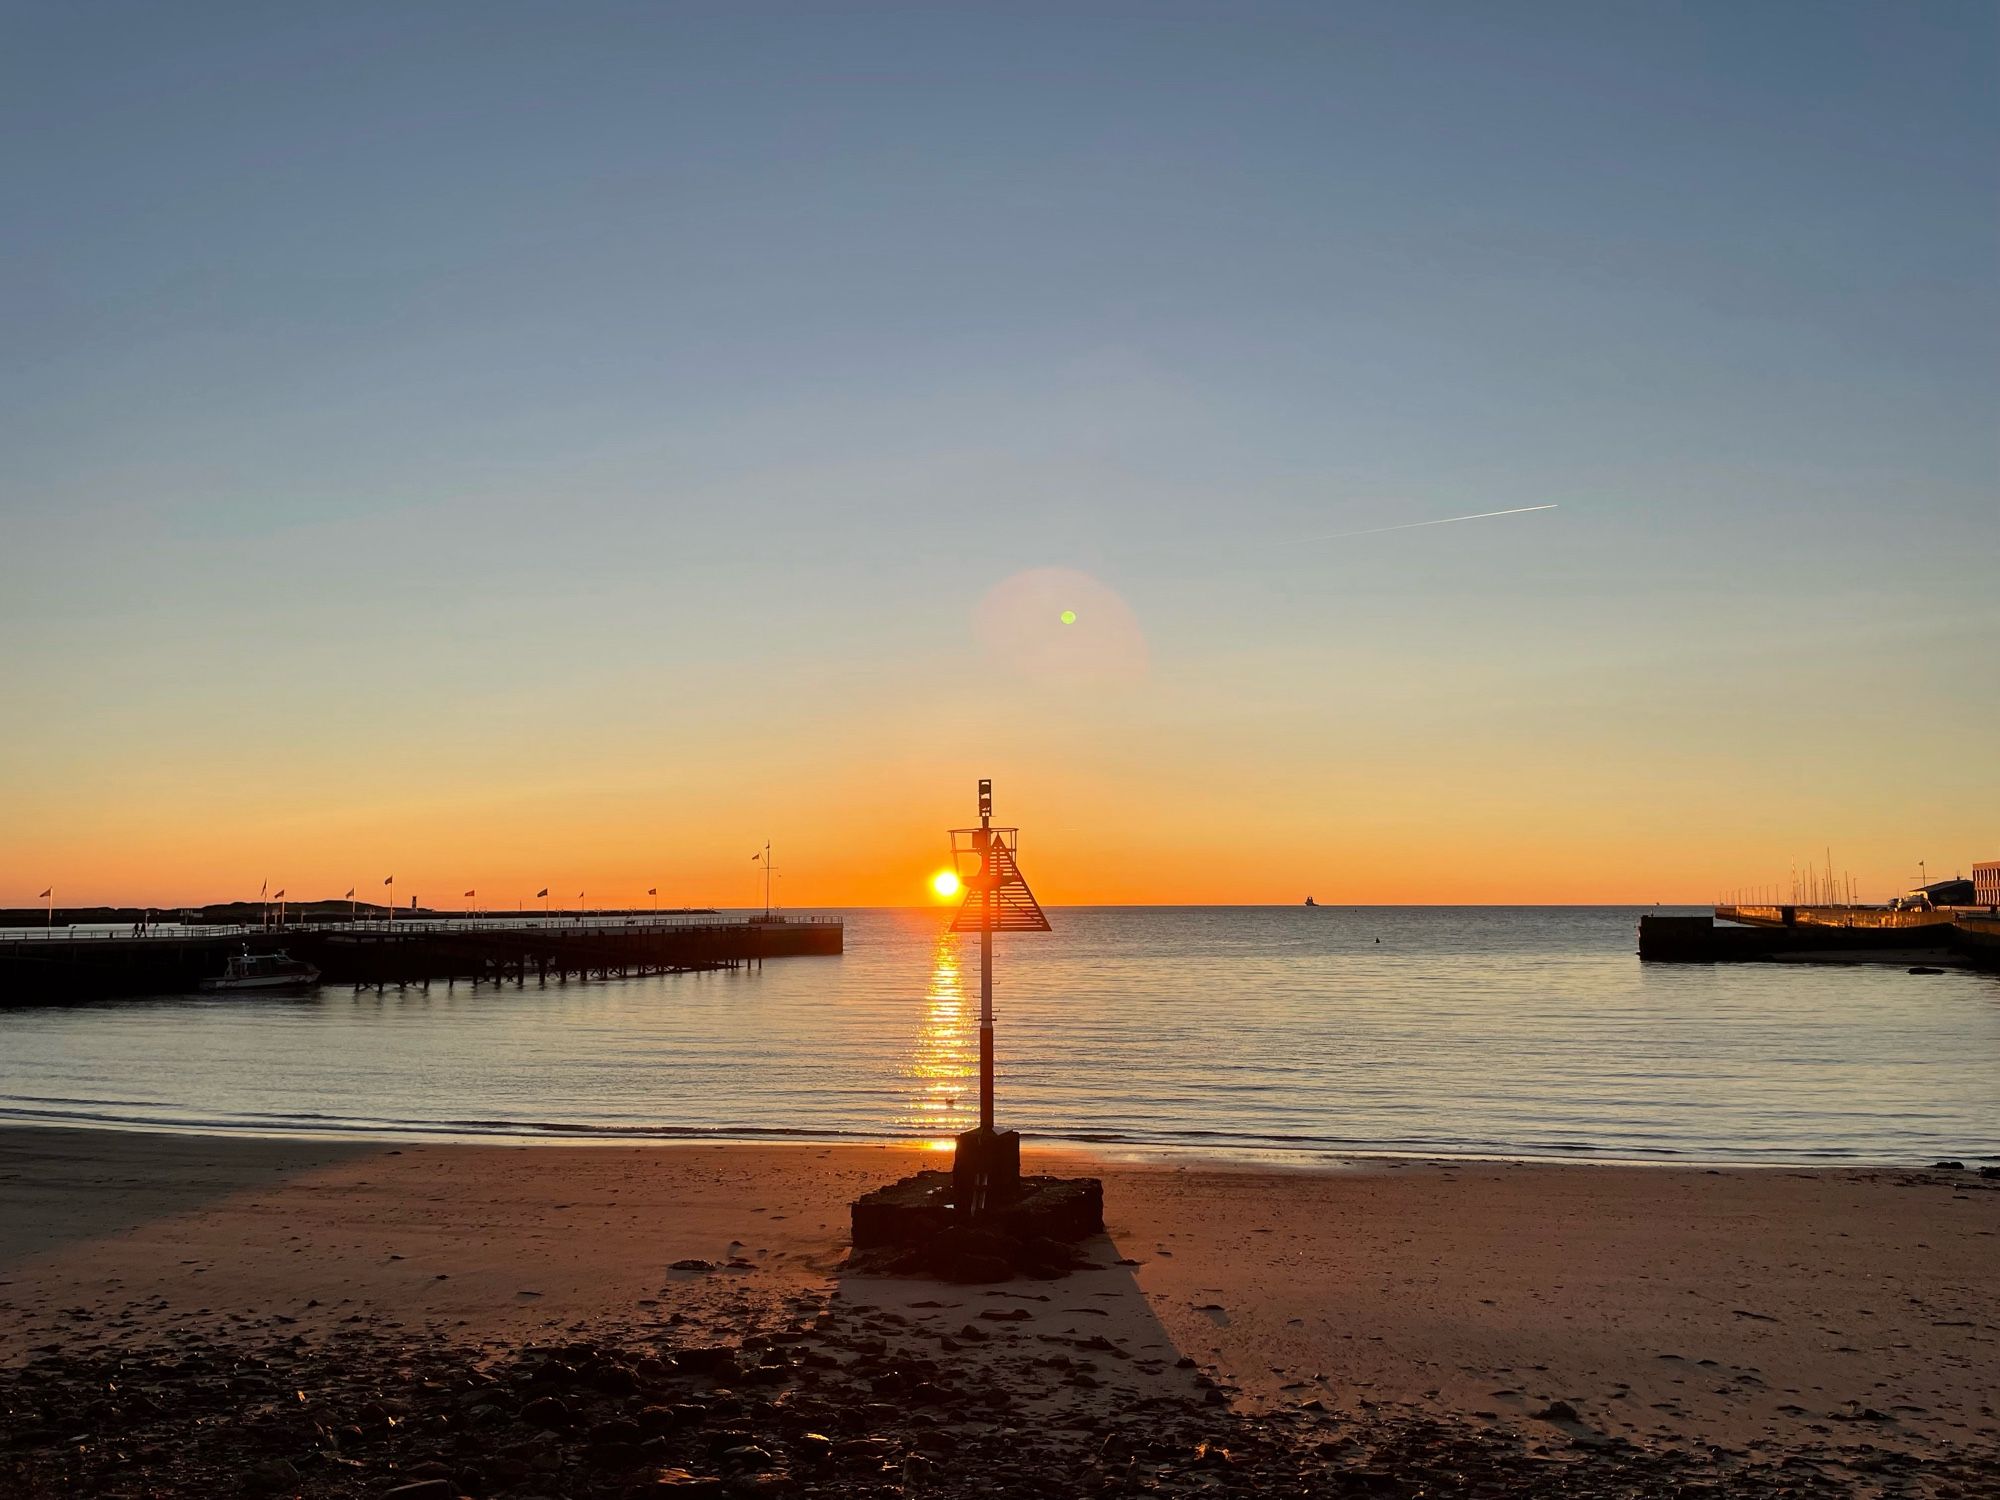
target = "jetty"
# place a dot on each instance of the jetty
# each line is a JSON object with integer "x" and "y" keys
{"x": 60, "y": 965}
{"x": 1834, "y": 933}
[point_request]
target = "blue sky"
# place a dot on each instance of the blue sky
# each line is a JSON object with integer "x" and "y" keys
{"x": 426, "y": 373}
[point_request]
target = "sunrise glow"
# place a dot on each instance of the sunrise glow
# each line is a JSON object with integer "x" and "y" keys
{"x": 945, "y": 884}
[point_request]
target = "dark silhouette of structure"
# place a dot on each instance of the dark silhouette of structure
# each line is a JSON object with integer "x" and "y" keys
{"x": 983, "y": 1221}
{"x": 986, "y": 1169}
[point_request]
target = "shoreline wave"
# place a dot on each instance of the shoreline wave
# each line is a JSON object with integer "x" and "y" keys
{"x": 1194, "y": 1144}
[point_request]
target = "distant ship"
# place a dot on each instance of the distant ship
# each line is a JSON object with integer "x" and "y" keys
{"x": 264, "y": 971}
{"x": 1311, "y": 902}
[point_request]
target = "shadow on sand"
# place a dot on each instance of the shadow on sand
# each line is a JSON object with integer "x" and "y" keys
{"x": 59, "y": 1187}
{"x": 1063, "y": 1350}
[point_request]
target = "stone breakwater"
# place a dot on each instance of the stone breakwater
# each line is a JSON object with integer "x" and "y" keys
{"x": 834, "y": 1401}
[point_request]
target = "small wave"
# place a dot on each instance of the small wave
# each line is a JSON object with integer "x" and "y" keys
{"x": 1200, "y": 1143}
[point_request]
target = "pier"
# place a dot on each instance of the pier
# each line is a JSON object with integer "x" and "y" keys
{"x": 61, "y": 965}
{"x": 1803, "y": 933}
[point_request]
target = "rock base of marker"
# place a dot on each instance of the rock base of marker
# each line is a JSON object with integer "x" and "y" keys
{"x": 986, "y": 1165}
{"x": 915, "y": 1227}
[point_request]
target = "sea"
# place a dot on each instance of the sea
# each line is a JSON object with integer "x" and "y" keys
{"x": 1290, "y": 1035}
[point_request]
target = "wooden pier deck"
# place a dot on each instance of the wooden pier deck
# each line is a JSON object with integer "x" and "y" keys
{"x": 61, "y": 966}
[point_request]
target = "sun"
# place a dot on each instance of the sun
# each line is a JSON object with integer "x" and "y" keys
{"x": 945, "y": 883}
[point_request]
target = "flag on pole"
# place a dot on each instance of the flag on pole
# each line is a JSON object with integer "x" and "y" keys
{"x": 46, "y": 894}
{"x": 350, "y": 894}
{"x": 652, "y": 890}
{"x": 263, "y": 886}
{"x": 277, "y": 895}
{"x": 543, "y": 891}
{"x": 390, "y": 881}
{"x": 755, "y": 857}
{"x": 472, "y": 893}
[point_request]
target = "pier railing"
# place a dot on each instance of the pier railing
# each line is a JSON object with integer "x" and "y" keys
{"x": 572, "y": 923}
{"x": 1870, "y": 918}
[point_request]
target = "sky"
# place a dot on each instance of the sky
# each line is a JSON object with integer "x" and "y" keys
{"x": 507, "y": 446}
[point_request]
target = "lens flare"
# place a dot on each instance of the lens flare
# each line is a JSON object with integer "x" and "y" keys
{"x": 1031, "y": 626}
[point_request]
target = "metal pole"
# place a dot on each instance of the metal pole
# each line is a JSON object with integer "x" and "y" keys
{"x": 985, "y": 974}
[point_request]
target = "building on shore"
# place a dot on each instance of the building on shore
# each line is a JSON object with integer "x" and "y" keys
{"x": 1986, "y": 883}
{"x": 1957, "y": 891}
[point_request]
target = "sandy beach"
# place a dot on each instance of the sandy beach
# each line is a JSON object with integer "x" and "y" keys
{"x": 1833, "y": 1330}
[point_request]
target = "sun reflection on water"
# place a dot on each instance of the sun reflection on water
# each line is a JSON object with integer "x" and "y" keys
{"x": 942, "y": 1095}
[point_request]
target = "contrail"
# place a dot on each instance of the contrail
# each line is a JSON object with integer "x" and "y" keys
{"x": 1484, "y": 515}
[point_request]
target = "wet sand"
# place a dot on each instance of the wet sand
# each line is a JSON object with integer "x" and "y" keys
{"x": 1825, "y": 1314}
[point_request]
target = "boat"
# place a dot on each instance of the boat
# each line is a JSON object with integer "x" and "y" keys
{"x": 264, "y": 971}
{"x": 1311, "y": 902}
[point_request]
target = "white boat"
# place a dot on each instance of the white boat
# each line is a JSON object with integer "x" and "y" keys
{"x": 264, "y": 971}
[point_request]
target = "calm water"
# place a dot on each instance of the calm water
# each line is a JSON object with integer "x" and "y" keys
{"x": 1520, "y": 1032}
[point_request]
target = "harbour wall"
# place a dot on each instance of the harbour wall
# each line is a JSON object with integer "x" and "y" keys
{"x": 1802, "y": 932}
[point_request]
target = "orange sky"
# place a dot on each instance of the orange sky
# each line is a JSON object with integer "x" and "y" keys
{"x": 1353, "y": 771}
{"x": 1104, "y": 826}
{"x": 1496, "y": 751}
